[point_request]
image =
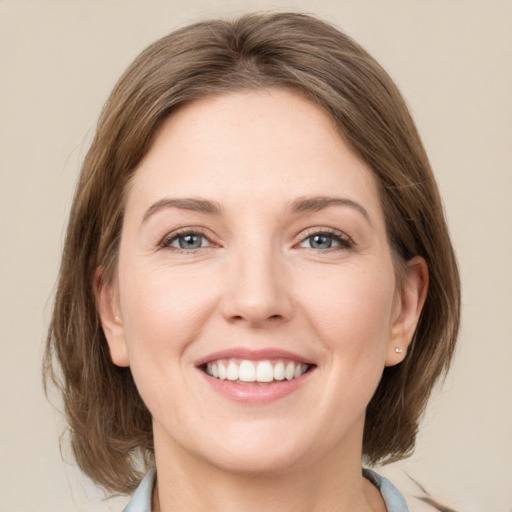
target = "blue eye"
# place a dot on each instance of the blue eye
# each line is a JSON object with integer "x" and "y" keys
{"x": 186, "y": 241}
{"x": 320, "y": 242}
{"x": 189, "y": 241}
{"x": 325, "y": 241}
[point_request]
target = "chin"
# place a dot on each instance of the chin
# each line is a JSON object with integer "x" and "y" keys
{"x": 257, "y": 461}
{"x": 252, "y": 451}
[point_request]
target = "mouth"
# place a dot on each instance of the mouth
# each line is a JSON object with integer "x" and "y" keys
{"x": 255, "y": 376}
{"x": 250, "y": 371}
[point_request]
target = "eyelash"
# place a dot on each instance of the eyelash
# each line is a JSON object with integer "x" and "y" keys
{"x": 345, "y": 243}
{"x": 176, "y": 235}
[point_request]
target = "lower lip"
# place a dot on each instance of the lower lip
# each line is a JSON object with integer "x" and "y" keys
{"x": 254, "y": 392}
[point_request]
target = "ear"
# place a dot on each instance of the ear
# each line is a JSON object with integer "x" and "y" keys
{"x": 407, "y": 306}
{"x": 112, "y": 325}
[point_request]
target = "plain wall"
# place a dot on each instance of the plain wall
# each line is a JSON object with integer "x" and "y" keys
{"x": 453, "y": 62}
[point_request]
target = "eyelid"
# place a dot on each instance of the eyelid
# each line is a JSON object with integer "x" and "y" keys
{"x": 165, "y": 242}
{"x": 345, "y": 240}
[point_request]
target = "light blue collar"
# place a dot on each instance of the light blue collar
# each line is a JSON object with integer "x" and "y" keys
{"x": 141, "y": 500}
{"x": 393, "y": 498}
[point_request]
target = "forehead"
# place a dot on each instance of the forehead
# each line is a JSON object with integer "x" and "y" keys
{"x": 266, "y": 144}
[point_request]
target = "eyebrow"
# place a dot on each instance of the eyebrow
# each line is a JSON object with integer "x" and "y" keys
{"x": 317, "y": 203}
{"x": 186, "y": 203}
{"x": 300, "y": 205}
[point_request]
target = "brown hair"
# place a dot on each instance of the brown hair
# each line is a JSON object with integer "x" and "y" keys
{"x": 110, "y": 426}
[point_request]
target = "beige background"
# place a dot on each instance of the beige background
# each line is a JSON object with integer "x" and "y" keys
{"x": 452, "y": 60}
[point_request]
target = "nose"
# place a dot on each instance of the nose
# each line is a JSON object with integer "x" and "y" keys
{"x": 257, "y": 291}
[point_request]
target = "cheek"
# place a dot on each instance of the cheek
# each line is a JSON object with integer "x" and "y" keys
{"x": 351, "y": 309}
{"x": 162, "y": 313}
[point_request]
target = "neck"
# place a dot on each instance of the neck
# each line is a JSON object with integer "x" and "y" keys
{"x": 186, "y": 483}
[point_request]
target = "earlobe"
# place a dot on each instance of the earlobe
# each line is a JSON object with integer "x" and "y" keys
{"x": 409, "y": 302}
{"x": 111, "y": 322}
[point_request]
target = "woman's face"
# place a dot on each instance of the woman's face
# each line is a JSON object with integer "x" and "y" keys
{"x": 255, "y": 298}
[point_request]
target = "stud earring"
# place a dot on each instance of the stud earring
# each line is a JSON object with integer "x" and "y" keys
{"x": 398, "y": 350}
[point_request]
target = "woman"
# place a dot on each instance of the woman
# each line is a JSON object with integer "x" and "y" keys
{"x": 257, "y": 286}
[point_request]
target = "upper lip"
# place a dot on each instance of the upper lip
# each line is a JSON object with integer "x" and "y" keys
{"x": 253, "y": 355}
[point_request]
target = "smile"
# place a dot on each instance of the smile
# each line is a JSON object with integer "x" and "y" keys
{"x": 249, "y": 371}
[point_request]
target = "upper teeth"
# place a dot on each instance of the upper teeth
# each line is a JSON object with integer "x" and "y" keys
{"x": 252, "y": 371}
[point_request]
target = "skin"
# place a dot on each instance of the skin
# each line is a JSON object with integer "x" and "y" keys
{"x": 258, "y": 281}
